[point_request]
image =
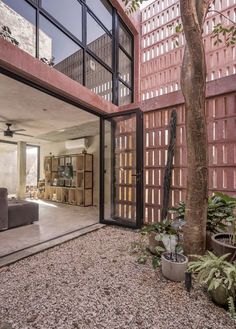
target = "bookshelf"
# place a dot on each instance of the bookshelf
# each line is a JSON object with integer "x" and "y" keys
{"x": 76, "y": 189}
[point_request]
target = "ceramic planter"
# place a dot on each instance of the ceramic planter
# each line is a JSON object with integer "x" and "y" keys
{"x": 174, "y": 271}
{"x": 220, "y": 247}
{"x": 153, "y": 243}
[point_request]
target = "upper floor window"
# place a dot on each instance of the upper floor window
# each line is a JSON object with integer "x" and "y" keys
{"x": 103, "y": 10}
{"x": 66, "y": 12}
{"x": 76, "y": 37}
{"x": 98, "y": 41}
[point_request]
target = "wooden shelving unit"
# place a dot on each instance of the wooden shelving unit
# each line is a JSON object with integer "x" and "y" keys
{"x": 77, "y": 190}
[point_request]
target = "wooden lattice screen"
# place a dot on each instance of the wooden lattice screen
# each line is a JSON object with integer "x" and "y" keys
{"x": 125, "y": 168}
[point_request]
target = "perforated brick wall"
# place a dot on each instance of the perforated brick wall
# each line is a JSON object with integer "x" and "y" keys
{"x": 161, "y": 57}
{"x": 221, "y": 121}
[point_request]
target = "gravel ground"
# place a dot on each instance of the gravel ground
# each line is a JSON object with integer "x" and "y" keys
{"x": 95, "y": 282}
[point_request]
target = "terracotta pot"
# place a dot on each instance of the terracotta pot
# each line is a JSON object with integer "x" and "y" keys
{"x": 220, "y": 248}
{"x": 153, "y": 243}
{"x": 174, "y": 271}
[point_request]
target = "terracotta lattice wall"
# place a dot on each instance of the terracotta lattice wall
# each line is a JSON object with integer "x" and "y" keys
{"x": 221, "y": 120}
{"x": 161, "y": 57}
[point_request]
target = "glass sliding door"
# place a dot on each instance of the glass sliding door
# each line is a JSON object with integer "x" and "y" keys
{"x": 121, "y": 169}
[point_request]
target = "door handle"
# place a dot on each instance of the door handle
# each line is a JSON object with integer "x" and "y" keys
{"x": 138, "y": 176}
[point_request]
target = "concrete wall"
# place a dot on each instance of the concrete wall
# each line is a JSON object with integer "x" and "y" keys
{"x": 8, "y": 167}
{"x": 59, "y": 149}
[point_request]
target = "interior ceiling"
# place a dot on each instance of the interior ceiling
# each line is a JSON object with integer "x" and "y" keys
{"x": 41, "y": 115}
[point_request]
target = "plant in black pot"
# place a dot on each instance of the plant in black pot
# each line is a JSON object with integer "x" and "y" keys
{"x": 173, "y": 263}
{"x": 218, "y": 276}
{"x": 219, "y": 213}
{"x": 226, "y": 242}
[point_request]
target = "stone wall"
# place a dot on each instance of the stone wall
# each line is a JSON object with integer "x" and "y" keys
{"x": 24, "y": 32}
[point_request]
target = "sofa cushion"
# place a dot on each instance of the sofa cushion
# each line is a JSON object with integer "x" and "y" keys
{"x": 22, "y": 213}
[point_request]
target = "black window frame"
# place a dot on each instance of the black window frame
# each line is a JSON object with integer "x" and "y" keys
{"x": 114, "y": 34}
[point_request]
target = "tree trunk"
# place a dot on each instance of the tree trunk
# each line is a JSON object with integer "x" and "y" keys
{"x": 193, "y": 85}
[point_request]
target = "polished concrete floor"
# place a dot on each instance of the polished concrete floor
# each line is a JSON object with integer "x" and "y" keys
{"x": 55, "y": 220}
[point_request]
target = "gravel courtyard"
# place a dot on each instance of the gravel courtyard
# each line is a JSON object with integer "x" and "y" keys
{"x": 95, "y": 282}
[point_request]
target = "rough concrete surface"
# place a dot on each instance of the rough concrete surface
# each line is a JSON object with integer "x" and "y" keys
{"x": 95, "y": 282}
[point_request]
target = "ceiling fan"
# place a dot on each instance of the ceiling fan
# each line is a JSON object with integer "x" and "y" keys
{"x": 8, "y": 132}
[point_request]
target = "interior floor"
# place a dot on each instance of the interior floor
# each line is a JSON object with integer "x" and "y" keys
{"x": 55, "y": 220}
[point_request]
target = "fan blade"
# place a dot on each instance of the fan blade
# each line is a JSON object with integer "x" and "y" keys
{"x": 24, "y": 135}
{"x": 16, "y": 130}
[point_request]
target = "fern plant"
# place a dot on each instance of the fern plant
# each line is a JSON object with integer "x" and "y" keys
{"x": 218, "y": 275}
{"x": 231, "y": 307}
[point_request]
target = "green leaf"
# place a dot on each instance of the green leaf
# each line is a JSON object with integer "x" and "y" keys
{"x": 142, "y": 259}
{"x": 156, "y": 262}
{"x": 159, "y": 249}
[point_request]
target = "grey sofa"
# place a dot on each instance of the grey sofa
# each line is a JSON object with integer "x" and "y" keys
{"x": 15, "y": 213}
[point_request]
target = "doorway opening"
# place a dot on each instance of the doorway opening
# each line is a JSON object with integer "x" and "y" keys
{"x": 49, "y": 166}
{"x": 79, "y": 168}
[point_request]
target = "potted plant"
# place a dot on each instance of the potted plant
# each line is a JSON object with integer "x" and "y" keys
{"x": 173, "y": 263}
{"x": 219, "y": 212}
{"x": 226, "y": 242}
{"x": 218, "y": 275}
{"x": 155, "y": 233}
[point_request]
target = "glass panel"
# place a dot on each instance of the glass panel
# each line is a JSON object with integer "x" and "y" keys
{"x": 8, "y": 167}
{"x": 59, "y": 51}
{"x": 99, "y": 41}
{"x": 31, "y": 166}
{"x": 124, "y": 67}
{"x": 20, "y": 18}
{"x": 103, "y": 10}
{"x": 68, "y": 13}
{"x": 125, "y": 39}
{"x": 108, "y": 175}
{"x": 120, "y": 169}
{"x": 98, "y": 79}
{"x": 125, "y": 94}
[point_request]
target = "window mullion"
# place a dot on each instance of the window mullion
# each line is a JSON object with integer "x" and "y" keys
{"x": 115, "y": 53}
